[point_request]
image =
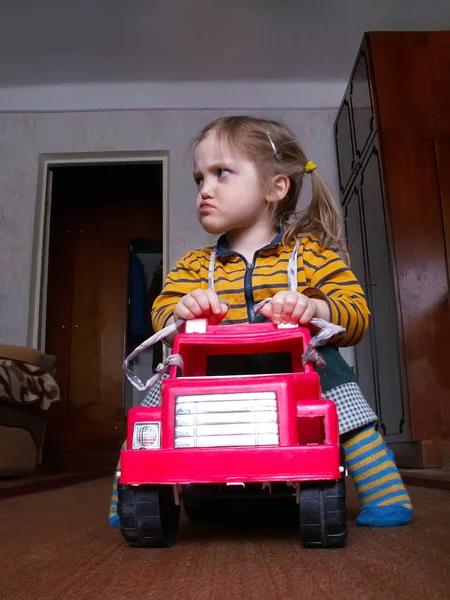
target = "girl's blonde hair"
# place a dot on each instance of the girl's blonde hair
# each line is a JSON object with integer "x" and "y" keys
{"x": 252, "y": 137}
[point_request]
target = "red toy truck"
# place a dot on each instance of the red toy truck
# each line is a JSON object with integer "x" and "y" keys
{"x": 226, "y": 427}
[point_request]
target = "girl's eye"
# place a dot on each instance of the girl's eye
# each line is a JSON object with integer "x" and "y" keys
{"x": 222, "y": 172}
{"x": 198, "y": 180}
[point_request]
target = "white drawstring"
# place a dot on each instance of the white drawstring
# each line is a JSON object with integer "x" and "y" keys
{"x": 173, "y": 360}
{"x": 292, "y": 268}
{"x": 212, "y": 262}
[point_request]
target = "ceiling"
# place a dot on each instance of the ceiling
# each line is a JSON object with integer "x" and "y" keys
{"x": 86, "y": 41}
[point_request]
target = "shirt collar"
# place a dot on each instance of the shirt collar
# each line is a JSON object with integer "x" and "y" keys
{"x": 223, "y": 249}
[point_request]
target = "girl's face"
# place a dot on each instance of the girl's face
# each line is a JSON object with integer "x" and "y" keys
{"x": 230, "y": 194}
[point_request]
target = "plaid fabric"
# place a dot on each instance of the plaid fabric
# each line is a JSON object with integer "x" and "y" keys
{"x": 352, "y": 408}
{"x": 153, "y": 398}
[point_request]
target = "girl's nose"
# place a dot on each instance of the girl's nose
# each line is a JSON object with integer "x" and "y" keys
{"x": 207, "y": 189}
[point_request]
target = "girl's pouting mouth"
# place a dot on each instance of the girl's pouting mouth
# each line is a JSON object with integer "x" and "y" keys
{"x": 204, "y": 207}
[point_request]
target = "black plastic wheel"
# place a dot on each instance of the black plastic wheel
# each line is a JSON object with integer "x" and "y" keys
{"x": 323, "y": 513}
{"x": 149, "y": 517}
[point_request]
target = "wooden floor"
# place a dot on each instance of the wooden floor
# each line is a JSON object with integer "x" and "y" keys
{"x": 56, "y": 544}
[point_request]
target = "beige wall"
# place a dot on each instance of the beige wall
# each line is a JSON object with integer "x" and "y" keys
{"x": 24, "y": 136}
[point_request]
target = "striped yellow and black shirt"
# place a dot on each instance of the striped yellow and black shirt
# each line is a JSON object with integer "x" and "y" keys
{"x": 321, "y": 274}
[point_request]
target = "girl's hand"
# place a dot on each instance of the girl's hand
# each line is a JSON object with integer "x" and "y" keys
{"x": 292, "y": 308}
{"x": 199, "y": 303}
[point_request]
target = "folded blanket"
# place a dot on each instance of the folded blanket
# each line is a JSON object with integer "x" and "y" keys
{"x": 26, "y": 384}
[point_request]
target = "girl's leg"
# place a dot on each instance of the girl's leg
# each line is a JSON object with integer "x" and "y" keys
{"x": 383, "y": 496}
{"x": 114, "y": 520}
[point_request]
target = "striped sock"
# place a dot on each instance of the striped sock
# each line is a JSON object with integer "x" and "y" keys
{"x": 383, "y": 497}
{"x": 114, "y": 520}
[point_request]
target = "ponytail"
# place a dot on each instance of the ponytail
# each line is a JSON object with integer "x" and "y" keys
{"x": 321, "y": 219}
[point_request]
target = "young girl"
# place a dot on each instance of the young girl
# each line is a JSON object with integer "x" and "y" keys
{"x": 249, "y": 173}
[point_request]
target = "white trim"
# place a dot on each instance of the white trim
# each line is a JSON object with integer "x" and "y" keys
{"x": 37, "y": 304}
{"x": 232, "y": 95}
{"x": 45, "y": 252}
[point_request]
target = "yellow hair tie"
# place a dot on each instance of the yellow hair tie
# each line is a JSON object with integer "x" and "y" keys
{"x": 310, "y": 166}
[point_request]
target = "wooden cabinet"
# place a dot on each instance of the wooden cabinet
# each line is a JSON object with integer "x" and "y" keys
{"x": 377, "y": 356}
{"x": 345, "y": 146}
{"x": 362, "y": 110}
{"x": 393, "y": 163}
{"x": 355, "y": 124}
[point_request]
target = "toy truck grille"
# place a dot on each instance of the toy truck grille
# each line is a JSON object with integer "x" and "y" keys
{"x": 234, "y": 419}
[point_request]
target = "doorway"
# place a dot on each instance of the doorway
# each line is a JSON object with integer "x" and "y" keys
{"x": 145, "y": 277}
{"x": 104, "y": 258}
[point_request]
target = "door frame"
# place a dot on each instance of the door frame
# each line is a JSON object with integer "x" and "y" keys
{"x": 39, "y": 267}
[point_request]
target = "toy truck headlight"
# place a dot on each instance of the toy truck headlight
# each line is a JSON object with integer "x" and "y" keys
{"x": 147, "y": 436}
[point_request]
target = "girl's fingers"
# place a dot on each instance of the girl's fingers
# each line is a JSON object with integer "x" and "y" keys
{"x": 277, "y": 307}
{"x": 289, "y": 307}
{"x": 183, "y": 312}
{"x": 191, "y": 305}
{"x": 223, "y": 309}
{"x": 286, "y": 307}
{"x": 308, "y": 313}
{"x": 299, "y": 310}
{"x": 214, "y": 302}
{"x": 290, "y": 302}
{"x": 203, "y": 301}
{"x": 267, "y": 310}
{"x": 283, "y": 305}
{"x": 199, "y": 303}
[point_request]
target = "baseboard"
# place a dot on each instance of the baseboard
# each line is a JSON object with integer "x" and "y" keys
{"x": 88, "y": 463}
{"x": 429, "y": 478}
{"x": 32, "y": 485}
{"x": 423, "y": 454}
